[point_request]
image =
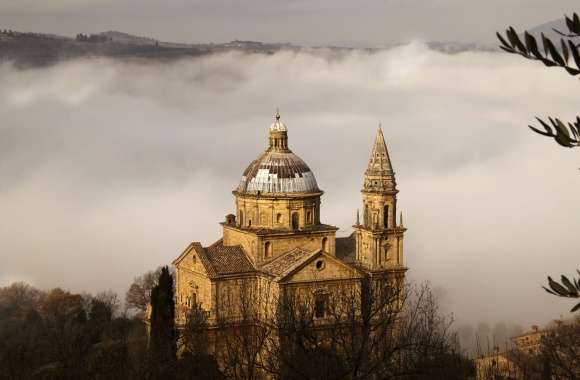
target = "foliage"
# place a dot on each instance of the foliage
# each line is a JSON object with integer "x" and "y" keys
{"x": 364, "y": 330}
{"x": 95, "y": 38}
{"x": 560, "y": 349}
{"x": 569, "y": 289}
{"x": 138, "y": 297}
{"x": 195, "y": 360}
{"x": 163, "y": 338}
{"x": 564, "y": 54}
{"x": 367, "y": 332}
{"x": 567, "y": 56}
{"x": 555, "y": 356}
{"x": 62, "y": 335}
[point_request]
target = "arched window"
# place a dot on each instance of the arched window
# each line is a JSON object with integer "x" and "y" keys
{"x": 241, "y": 218}
{"x": 325, "y": 244}
{"x": 295, "y": 222}
{"x": 279, "y": 218}
{"x": 386, "y": 216}
{"x": 309, "y": 216}
{"x": 268, "y": 250}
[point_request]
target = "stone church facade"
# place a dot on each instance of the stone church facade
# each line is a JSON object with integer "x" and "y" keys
{"x": 276, "y": 240}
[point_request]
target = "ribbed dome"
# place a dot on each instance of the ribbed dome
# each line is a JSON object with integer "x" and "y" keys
{"x": 278, "y": 170}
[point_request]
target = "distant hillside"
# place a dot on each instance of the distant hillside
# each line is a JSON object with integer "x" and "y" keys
{"x": 460, "y": 47}
{"x": 129, "y": 39}
{"x": 36, "y": 49}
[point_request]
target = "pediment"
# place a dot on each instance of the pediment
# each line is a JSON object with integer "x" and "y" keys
{"x": 321, "y": 267}
{"x": 192, "y": 259}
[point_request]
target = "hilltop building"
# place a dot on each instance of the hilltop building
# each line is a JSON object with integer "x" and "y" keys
{"x": 525, "y": 360}
{"x": 276, "y": 240}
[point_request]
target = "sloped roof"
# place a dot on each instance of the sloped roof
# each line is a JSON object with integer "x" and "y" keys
{"x": 379, "y": 176}
{"x": 295, "y": 259}
{"x": 228, "y": 260}
{"x": 219, "y": 260}
{"x": 286, "y": 262}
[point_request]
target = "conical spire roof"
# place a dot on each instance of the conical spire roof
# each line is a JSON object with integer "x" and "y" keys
{"x": 379, "y": 176}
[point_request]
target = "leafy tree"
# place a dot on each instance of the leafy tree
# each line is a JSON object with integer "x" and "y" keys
{"x": 564, "y": 54}
{"x": 103, "y": 307}
{"x": 71, "y": 336}
{"x": 569, "y": 289}
{"x": 62, "y": 335}
{"x": 63, "y": 307}
{"x": 163, "y": 337}
{"x": 138, "y": 297}
{"x": 18, "y": 299}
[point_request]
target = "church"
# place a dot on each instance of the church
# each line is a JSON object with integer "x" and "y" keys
{"x": 276, "y": 239}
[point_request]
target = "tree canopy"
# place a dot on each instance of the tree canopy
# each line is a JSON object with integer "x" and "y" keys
{"x": 564, "y": 54}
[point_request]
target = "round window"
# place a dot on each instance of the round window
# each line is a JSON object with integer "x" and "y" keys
{"x": 320, "y": 265}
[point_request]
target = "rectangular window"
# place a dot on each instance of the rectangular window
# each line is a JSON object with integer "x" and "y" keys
{"x": 320, "y": 305}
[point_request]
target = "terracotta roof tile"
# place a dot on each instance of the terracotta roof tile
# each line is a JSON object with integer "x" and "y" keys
{"x": 227, "y": 260}
{"x": 286, "y": 261}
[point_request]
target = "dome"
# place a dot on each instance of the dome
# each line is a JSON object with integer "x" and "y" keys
{"x": 278, "y": 170}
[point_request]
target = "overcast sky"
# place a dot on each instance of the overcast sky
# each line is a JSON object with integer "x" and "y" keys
{"x": 360, "y": 23}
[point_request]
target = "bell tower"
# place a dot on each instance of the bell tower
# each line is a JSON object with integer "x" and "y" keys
{"x": 379, "y": 239}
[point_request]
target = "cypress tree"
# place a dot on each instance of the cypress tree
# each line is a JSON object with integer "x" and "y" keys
{"x": 162, "y": 348}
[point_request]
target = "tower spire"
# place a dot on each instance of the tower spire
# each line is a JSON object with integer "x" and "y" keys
{"x": 379, "y": 176}
{"x": 378, "y": 240}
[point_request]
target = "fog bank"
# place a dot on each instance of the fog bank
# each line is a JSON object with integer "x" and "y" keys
{"x": 109, "y": 169}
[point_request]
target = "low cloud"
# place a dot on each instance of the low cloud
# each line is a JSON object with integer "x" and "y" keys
{"x": 109, "y": 169}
